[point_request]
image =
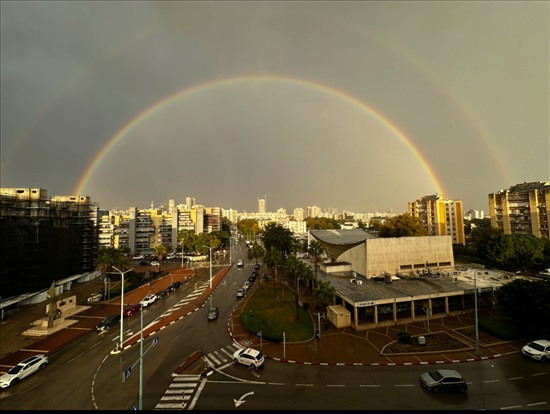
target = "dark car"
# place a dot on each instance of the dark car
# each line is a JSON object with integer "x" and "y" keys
{"x": 443, "y": 380}
{"x": 257, "y": 266}
{"x": 212, "y": 313}
{"x": 108, "y": 322}
{"x": 132, "y": 309}
{"x": 174, "y": 286}
{"x": 162, "y": 293}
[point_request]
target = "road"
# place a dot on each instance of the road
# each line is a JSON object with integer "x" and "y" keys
{"x": 87, "y": 376}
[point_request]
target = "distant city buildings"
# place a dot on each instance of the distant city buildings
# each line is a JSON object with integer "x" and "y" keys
{"x": 46, "y": 238}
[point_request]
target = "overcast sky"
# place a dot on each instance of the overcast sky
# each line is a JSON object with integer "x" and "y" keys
{"x": 358, "y": 106}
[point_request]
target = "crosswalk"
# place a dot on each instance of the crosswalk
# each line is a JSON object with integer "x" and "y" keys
{"x": 183, "y": 388}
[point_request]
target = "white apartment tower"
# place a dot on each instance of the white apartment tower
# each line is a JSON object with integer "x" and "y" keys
{"x": 261, "y": 205}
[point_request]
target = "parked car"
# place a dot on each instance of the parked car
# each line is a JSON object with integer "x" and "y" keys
{"x": 155, "y": 263}
{"x": 240, "y": 263}
{"x": 174, "y": 286}
{"x": 162, "y": 293}
{"x": 443, "y": 380}
{"x": 257, "y": 266}
{"x": 240, "y": 293}
{"x": 108, "y": 322}
{"x": 249, "y": 356}
{"x": 148, "y": 300}
{"x": 143, "y": 263}
{"x": 23, "y": 369}
{"x": 212, "y": 313}
{"x": 538, "y": 350}
{"x": 132, "y": 309}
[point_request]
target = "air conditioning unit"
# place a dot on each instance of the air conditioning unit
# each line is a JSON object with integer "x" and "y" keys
{"x": 352, "y": 281}
{"x": 359, "y": 282}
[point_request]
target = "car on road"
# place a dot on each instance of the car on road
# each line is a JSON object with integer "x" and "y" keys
{"x": 148, "y": 300}
{"x": 249, "y": 356}
{"x": 23, "y": 369}
{"x": 162, "y": 293}
{"x": 240, "y": 263}
{"x": 443, "y": 380}
{"x": 108, "y": 322}
{"x": 132, "y": 309}
{"x": 240, "y": 293}
{"x": 257, "y": 266}
{"x": 538, "y": 350}
{"x": 212, "y": 313}
{"x": 174, "y": 286}
{"x": 155, "y": 263}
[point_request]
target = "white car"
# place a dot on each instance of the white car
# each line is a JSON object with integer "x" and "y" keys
{"x": 240, "y": 263}
{"x": 23, "y": 369}
{"x": 148, "y": 300}
{"x": 155, "y": 263}
{"x": 538, "y": 350}
{"x": 249, "y": 356}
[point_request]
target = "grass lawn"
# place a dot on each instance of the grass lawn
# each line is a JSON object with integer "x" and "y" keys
{"x": 272, "y": 311}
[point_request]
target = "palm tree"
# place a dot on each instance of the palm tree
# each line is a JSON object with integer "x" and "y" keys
{"x": 273, "y": 259}
{"x": 160, "y": 251}
{"x": 324, "y": 296}
{"x": 291, "y": 266}
{"x": 315, "y": 250}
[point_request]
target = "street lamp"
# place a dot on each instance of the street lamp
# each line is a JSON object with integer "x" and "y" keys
{"x": 210, "y": 248}
{"x": 475, "y": 310}
{"x": 122, "y": 303}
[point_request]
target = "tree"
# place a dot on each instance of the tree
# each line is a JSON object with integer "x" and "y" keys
{"x": 249, "y": 228}
{"x": 273, "y": 259}
{"x": 279, "y": 237}
{"x": 109, "y": 257}
{"x": 160, "y": 251}
{"x": 291, "y": 266}
{"x": 403, "y": 225}
{"x": 304, "y": 273}
{"x": 255, "y": 252}
{"x": 321, "y": 223}
{"x": 526, "y": 303}
{"x": 324, "y": 296}
{"x": 316, "y": 251}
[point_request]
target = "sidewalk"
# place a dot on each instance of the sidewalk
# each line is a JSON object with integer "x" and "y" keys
{"x": 337, "y": 346}
{"x": 345, "y": 346}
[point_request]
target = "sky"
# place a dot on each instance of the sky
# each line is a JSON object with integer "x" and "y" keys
{"x": 355, "y": 106}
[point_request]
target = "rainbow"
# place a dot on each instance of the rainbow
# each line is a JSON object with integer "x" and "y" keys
{"x": 195, "y": 89}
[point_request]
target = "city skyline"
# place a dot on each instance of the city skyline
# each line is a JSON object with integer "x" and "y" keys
{"x": 356, "y": 106}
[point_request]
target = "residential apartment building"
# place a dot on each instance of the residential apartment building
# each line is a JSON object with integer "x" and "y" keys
{"x": 44, "y": 238}
{"x": 141, "y": 230}
{"x": 522, "y": 209}
{"x": 440, "y": 217}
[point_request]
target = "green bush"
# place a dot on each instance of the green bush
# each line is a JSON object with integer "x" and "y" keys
{"x": 502, "y": 327}
{"x": 404, "y": 337}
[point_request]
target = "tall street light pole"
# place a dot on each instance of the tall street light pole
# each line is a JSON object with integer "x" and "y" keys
{"x": 122, "y": 304}
{"x": 210, "y": 248}
{"x": 475, "y": 310}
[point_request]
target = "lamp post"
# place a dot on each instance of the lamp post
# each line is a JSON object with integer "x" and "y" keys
{"x": 475, "y": 311}
{"x": 182, "y": 256}
{"x": 122, "y": 304}
{"x": 210, "y": 248}
{"x": 141, "y": 361}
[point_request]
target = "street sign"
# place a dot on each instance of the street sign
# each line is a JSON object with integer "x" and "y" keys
{"x": 127, "y": 373}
